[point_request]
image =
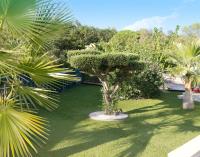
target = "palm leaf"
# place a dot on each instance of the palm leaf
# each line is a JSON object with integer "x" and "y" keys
{"x": 8, "y": 63}
{"x": 20, "y": 131}
{"x": 42, "y": 70}
{"x": 186, "y": 61}
{"x": 30, "y": 96}
{"x": 37, "y": 22}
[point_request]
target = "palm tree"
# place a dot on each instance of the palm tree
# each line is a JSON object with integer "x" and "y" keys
{"x": 27, "y": 74}
{"x": 187, "y": 64}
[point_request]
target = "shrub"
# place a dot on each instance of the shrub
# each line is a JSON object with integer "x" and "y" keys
{"x": 145, "y": 84}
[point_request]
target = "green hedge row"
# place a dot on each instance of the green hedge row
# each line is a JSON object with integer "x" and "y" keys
{"x": 82, "y": 52}
{"x": 104, "y": 61}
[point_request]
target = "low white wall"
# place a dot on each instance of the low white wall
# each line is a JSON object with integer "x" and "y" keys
{"x": 189, "y": 149}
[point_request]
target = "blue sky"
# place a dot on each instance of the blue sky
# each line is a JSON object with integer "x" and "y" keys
{"x": 135, "y": 14}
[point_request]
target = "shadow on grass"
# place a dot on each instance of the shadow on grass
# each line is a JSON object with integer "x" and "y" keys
{"x": 70, "y": 123}
{"x": 169, "y": 106}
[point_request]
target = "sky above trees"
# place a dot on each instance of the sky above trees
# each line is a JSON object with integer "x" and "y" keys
{"x": 135, "y": 14}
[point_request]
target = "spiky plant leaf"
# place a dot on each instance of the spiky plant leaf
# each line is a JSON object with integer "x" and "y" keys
{"x": 20, "y": 132}
{"x": 35, "y": 21}
{"x": 44, "y": 70}
{"x": 30, "y": 96}
{"x": 187, "y": 61}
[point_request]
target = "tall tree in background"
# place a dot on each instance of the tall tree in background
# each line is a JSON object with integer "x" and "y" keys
{"x": 26, "y": 78}
{"x": 76, "y": 36}
{"x": 123, "y": 41}
{"x": 192, "y": 31}
{"x": 149, "y": 45}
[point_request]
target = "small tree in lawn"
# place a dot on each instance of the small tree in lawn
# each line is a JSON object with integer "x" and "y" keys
{"x": 110, "y": 68}
{"x": 187, "y": 64}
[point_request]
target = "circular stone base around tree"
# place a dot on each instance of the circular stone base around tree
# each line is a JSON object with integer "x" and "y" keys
{"x": 101, "y": 116}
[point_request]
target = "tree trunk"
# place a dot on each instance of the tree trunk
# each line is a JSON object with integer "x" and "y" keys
{"x": 188, "y": 102}
{"x": 108, "y": 103}
{"x": 107, "y": 98}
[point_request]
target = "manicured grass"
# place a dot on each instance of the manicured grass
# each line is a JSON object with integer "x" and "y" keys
{"x": 154, "y": 127}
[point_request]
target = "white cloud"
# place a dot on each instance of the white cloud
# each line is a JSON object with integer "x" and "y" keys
{"x": 150, "y": 23}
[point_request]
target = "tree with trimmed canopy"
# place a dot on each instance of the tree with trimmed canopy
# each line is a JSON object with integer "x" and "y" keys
{"x": 110, "y": 68}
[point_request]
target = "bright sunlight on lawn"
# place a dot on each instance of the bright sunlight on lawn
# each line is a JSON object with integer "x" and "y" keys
{"x": 154, "y": 127}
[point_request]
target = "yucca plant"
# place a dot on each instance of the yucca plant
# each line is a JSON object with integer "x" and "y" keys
{"x": 187, "y": 65}
{"x": 27, "y": 73}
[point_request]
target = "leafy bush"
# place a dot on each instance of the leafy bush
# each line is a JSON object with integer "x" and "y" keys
{"x": 145, "y": 84}
{"x": 149, "y": 81}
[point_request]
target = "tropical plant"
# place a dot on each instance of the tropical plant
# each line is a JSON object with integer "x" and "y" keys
{"x": 186, "y": 62}
{"x": 27, "y": 74}
{"x": 110, "y": 68}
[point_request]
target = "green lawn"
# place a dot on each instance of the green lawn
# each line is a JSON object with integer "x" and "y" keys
{"x": 154, "y": 127}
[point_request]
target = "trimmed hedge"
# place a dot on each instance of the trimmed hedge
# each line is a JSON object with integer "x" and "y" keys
{"x": 91, "y": 63}
{"x": 82, "y": 52}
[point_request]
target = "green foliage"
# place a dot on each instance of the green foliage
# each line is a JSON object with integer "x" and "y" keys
{"x": 27, "y": 78}
{"x": 186, "y": 62}
{"x": 112, "y": 69}
{"x": 144, "y": 84}
{"x": 17, "y": 129}
{"x": 149, "y": 45}
{"x": 17, "y": 72}
{"x": 192, "y": 31}
{"x": 82, "y": 52}
{"x": 123, "y": 41}
{"x": 23, "y": 22}
{"x": 149, "y": 81}
{"x": 94, "y": 63}
{"x": 75, "y": 36}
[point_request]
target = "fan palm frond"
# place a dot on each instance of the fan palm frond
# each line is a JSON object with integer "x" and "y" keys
{"x": 186, "y": 56}
{"x": 32, "y": 23}
{"x": 8, "y": 63}
{"x": 34, "y": 20}
{"x": 20, "y": 131}
{"x": 30, "y": 96}
{"x": 44, "y": 70}
{"x": 178, "y": 70}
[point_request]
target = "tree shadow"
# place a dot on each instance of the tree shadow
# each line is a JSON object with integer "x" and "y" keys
{"x": 70, "y": 123}
{"x": 74, "y": 108}
{"x": 168, "y": 107}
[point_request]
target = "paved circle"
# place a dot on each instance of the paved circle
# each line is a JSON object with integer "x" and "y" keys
{"x": 101, "y": 116}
